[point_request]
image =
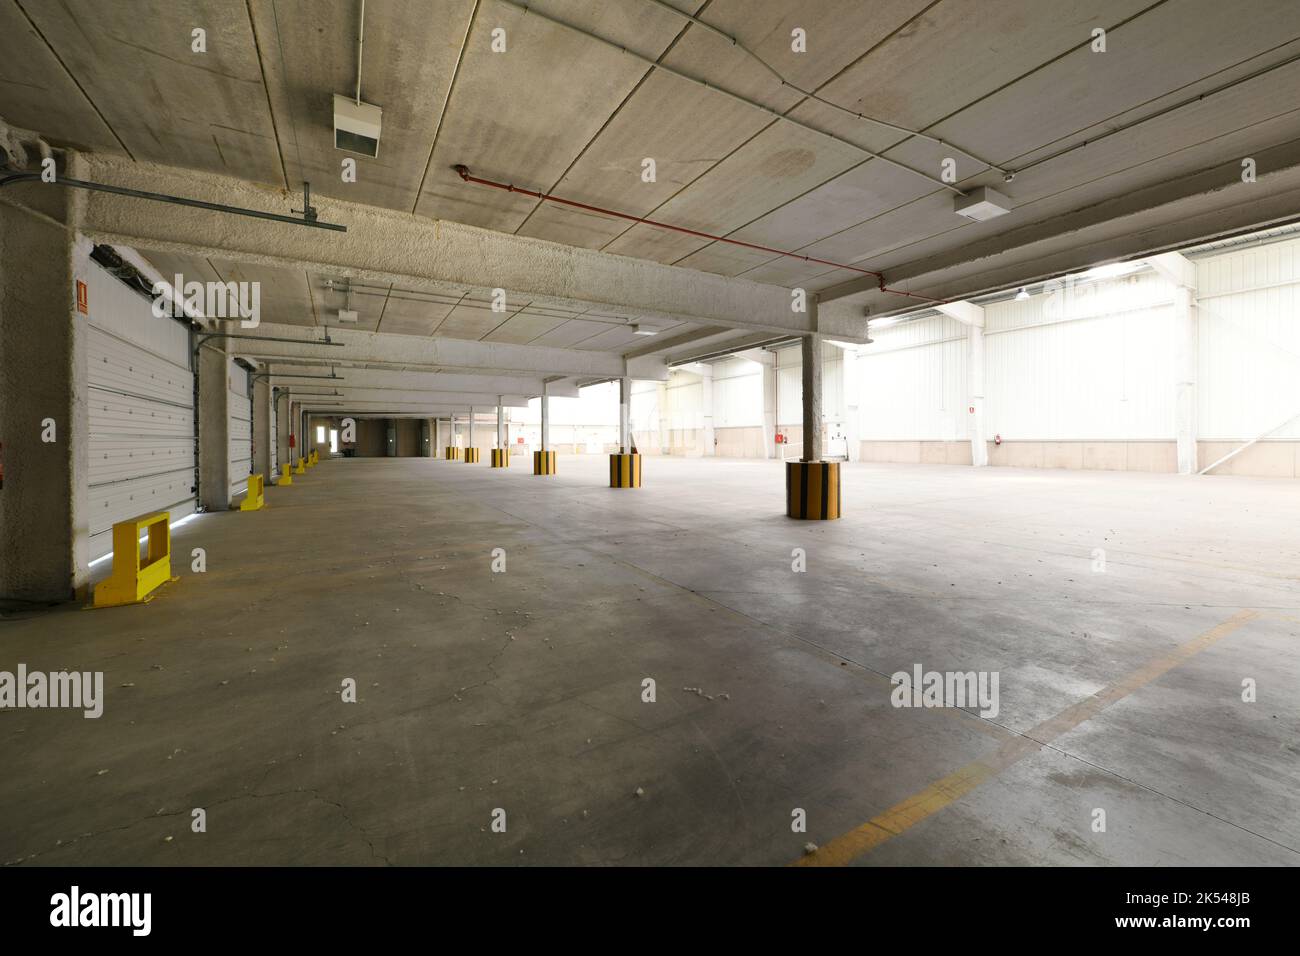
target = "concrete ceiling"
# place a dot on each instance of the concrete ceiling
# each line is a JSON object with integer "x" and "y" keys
{"x": 1114, "y": 152}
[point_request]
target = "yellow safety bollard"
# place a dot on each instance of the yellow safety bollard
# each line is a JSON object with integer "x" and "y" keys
{"x": 500, "y": 457}
{"x": 812, "y": 490}
{"x": 543, "y": 463}
{"x": 301, "y": 469}
{"x": 255, "y": 498}
{"x": 285, "y": 479}
{"x": 453, "y": 453}
{"x": 471, "y": 456}
{"x": 625, "y": 470}
{"x": 131, "y": 582}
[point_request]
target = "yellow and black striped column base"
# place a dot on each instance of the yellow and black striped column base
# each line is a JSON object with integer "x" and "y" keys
{"x": 624, "y": 470}
{"x": 453, "y": 453}
{"x": 500, "y": 457}
{"x": 812, "y": 489}
{"x": 543, "y": 463}
{"x": 471, "y": 456}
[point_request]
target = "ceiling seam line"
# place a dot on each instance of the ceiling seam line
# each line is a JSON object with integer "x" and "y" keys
{"x": 1026, "y": 204}
{"x": 446, "y": 105}
{"x": 649, "y": 71}
{"x": 81, "y": 89}
{"x": 754, "y": 104}
{"x": 284, "y": 71}
{"x": 266, "y": 89}
{"x": 1102, "y": 178}
{"x": 747, "y": 141}
{"x": 907, "y": 138}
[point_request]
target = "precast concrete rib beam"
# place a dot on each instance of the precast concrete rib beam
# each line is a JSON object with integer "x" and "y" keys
{"x": 387, "y": 246}
{"x": 443, "y": 353}
{"x": 406, "y": 396}
{"x": 282, "y": 374}
{"x": 1204, "y": 205}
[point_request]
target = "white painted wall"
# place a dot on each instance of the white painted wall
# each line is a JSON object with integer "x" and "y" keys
{"x": 1081, "y": 361}
{"x": 1249, "y": 328}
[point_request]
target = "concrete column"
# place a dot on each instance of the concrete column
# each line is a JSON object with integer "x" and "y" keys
{"x": 624, "y": 415}
{"x": 1181, "y": 273}
{"x": 707, "y": 436}
{"x": 768, "y": 362}
{"x": 1185, "y": 369}
{"x": 471, "y": 428}
{"x": 44, "y": 448}
{"x": 501, "y": 424}
{"x": 979, "y": 449}
{"x": 546, "y": 419}
{"x": 812, "y": 397}
{"x": 262, "y": 437}
{"x": 282, "y": 422}
{"x": 214, "y": 426}
{"x": 665, "y": 432}
{"x": 852, "y": 397}
{"x": 972, "y": 316}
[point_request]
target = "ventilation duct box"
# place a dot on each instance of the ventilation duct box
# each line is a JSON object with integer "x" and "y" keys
{"x": 356, "y": 126}
{"x": 982, "y": 204}
{"x": 347, "y": 315}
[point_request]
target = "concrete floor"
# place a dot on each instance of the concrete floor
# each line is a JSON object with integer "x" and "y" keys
{"x": 522, "y": 690}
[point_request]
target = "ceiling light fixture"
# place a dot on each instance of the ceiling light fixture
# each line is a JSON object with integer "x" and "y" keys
{"x": 638, "y": 330}
{"x": 1022, "y": 295}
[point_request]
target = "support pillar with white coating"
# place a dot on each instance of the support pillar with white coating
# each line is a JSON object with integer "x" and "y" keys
{"x": 546, "y": 419}
{"x": 624, "y": 416}
{"x": 812, "y": 397}
{"x": 707, "y": 434}
{"x": 972, "y": 316}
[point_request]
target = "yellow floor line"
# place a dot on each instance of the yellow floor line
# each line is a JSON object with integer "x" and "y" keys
{"x": 902, "y": 816}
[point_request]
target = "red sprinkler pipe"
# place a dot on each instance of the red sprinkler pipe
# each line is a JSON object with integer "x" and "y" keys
{"x": 464, "y": 173}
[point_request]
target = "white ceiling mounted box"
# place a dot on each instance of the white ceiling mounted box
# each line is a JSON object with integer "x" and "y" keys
{"x": 356, "y": 126}
{"x": 982, "y": 204}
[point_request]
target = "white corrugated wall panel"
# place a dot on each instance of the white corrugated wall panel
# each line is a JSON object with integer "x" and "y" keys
{"x": 913, "y": 382}
{"x": 140, "y": 409}
{"x": 1091, "y": 363}
{"x": 737, "y": 393}
{"x": 1249, "y": 342}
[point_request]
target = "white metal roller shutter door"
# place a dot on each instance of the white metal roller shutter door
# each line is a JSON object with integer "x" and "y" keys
{"x": 275, "y": 440}
{"x": 241, "y": 428}
{"x": 140, "y": 410}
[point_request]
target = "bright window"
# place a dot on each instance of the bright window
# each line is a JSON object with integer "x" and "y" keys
{"x": 320, "y": 434}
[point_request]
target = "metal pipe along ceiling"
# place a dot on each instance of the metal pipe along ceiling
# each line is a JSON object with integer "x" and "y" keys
{"x": 464, "y": 173}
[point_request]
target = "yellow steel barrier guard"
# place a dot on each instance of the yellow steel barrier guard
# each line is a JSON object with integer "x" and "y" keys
{"x": 255, "y": 498}
{"x": 453, "y": 453}
{"x": 500, "y": 457}
{"x": 131, "y": 582}
{"x": 812, "y": 490}
{"x": 301, "y": 469}
{"x": 625, "y": 470}
{"x": 471, "y": 456}
{"x": 543, "y": 463}
{"x": 285, "y": 478}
